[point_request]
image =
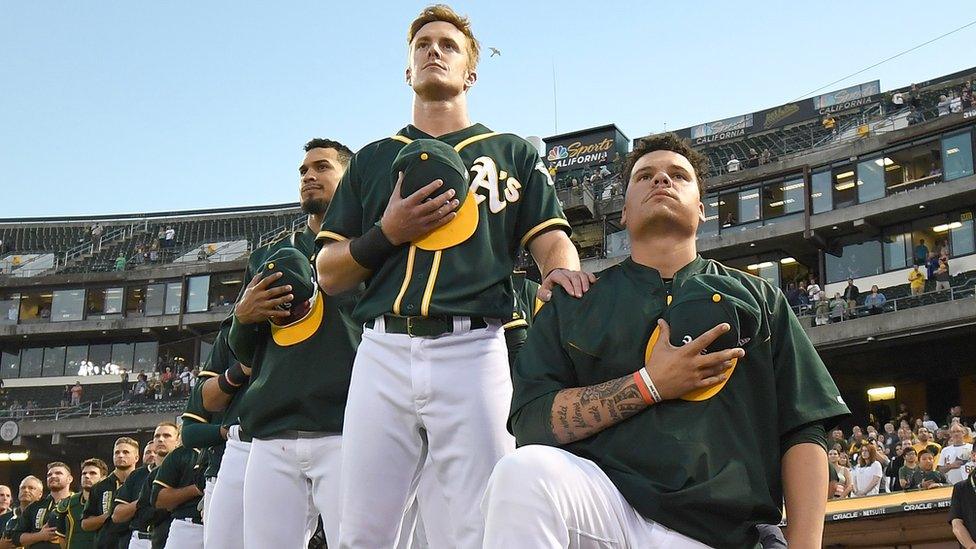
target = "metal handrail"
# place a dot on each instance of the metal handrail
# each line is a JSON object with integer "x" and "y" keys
{"x": 966, "y": 290}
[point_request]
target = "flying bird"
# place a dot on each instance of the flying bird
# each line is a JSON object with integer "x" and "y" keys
{"x": 494, "y": 51}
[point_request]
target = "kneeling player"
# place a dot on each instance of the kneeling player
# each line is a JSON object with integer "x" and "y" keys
{"x": 692, "y": 448}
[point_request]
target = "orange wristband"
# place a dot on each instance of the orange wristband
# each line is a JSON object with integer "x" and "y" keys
{"x": 645, "y": 393}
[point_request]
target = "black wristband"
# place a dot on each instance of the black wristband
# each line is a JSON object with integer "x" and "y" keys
{"x": 371, "y": 249}
{"x": 226, "y": 386}
{"x": 236, "y": 376}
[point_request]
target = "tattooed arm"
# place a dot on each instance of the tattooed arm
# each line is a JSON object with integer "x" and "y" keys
{"x": 584, "y": 411}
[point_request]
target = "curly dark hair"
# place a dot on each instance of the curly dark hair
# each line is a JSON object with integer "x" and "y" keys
{"x": 342, "y": 151}
{"x": 668, "y": 142}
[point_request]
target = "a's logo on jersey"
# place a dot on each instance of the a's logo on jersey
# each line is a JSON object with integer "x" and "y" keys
{"x": 542, "y": 168}
{"x": 488, "y": 177}
{"x": 558, "y": 153}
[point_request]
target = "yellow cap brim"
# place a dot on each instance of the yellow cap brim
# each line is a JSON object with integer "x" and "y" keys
{"x": 457, "y": 231}
{"x": 300, "y": 330}
{"x": 697, "y": 395}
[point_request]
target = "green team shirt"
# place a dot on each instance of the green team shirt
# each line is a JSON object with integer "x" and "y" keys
{"x": 299, "y": 387}
{"x": 37, "y": 515}
{"x": 178, "y": 470}
{"x": 148, "y": 518}
{"x": 710, "y": 469}
{"x": 201, "y": 428}
{"x": 129, "y": 493}
{"x": 68, "y": 522}
{"x": 517, "y": 202}
{"x": 100, "y": 501}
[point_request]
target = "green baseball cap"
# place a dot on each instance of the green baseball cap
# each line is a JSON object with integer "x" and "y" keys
{"x": 307, "y": 305}
{"x": 701, "y": 303}
{"x": 424, "y": 160}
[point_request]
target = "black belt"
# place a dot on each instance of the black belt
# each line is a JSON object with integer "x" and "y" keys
{"x": 144, "y": 535}
{"x": 424, "y": 326}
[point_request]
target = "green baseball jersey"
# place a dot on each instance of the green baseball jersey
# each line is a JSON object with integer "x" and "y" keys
{"x": 298, "y": 386}
{"x": 714, "y": 492}
{"x": 68, "y": 522}
{"x": 147, "y": 517}
{"x": 129, "y": 492}
{"x": 37, "y": 515}
{"x": 5, "y": 521}
{"x": 100, "y": 501}
{"x": 201, "y": 428}
{"x": 178, "y": 470}
{"x": 516, "y": 200}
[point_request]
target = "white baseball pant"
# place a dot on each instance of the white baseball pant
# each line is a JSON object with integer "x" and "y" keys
{"x": 289, "y": 482}
{"x": 544, "y": 497}
{"x": 207, "y": 495}
{"x": 135, "y": 542}
{"x": 446, "y": 396}
{"x": 222, "y": 525}
{"x": 184, "y": 534}
{"x": 427, "y": 523}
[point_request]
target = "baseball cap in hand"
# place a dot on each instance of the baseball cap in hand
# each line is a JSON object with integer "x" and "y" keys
{"x": 701, "y": 303}
{"x": 424, "y": 160}
{"x": 306, "y": 307}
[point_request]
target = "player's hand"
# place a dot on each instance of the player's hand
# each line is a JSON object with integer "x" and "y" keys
{"x": 678, "y": 370}
{"x": 408, "y": 219}
{"x": 576, "y": 283}
{"x": 48, "y": 533}
{"x": 259, "y": 302}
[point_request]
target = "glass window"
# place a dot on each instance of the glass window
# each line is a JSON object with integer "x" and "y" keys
{"x": 10, "y": 363}
{"x": 174, "y": 298}
{"x": 99, "y": 356}
{"x": 206, "y": 347}
{"x": 961, "y": 234}
{"x": 929, "y": 236}
{"x": 911, "y": 167}
{"x": 821, "y": 195}
{"x": 870, "y": 180}
{"x": 197, "y": 294}
{"x": 155, "y": 298}
{"x": 68, "y": 305}
{"x": 9, "y": 306}
{"x": 783, "y": 198}
{"x": 31, "y": 362}
{"x": 121, "y": 357}
{"x": 105, "y": 301}
{"x": 224, "y": 289}
{"x": 709, "y": 227}
{"x": 897, "y": 242}
{"x": 957, "y": 155}
{"x": 135, "y": 301}
{"x": 144, "y": 358}
{"x": 728, "y": 209}
{"x": 53, "y": 361}
{"x": 845, "y": 186}
{"x": 76, "y": 358}
{"x": 35, "y": 307}
{"x": 750, "y": 207}
{"x": 855, "y": 261}
{"x": 768, "y": 270}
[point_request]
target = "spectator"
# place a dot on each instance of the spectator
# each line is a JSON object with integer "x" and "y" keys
{"x": 141, "y": 387}
{"x": 166, "y": 380}
{"x": 944, "y": 108}
{"x": 733, "y": 164}
{"x": 917, "y": 280}
{"x": 851, "y": 294}
{"x": 185, "y": 377}
{"x": 925, "y": 442}
{"x": 830, "y": 124}
{"x": 844, "y": 481}
{"x": 804, "y": 296}
{"x": 857, "y": 441}
{"x": 868, "y": 473}
{"x": 753, "y": 160}
{"x": 604, "y": 172}
{"x": 955, "y": 412}
{"x": 793, "y": 296}
{"x": 154, "y": 253}
{"x": 895, "y": 465}
{"x": 915, "y": 97}
{"x": 903, "y": 413}
{"x": 943, "y": 248}
{"x": 729, "y": 220}
{"x": 962, "y": 512}
{"x": 814, "y": 291}
{"x": 202, "y": 255}
{"x": 942, "y": 275}
{"x": 931, "y": 265}
{"x": 822, "y": 313}
{"x": 765, "y": 157}
{"x": 837, "y": 437}
{"x": 66, "y": 396}
{"x": 170, "y": 237}
{"x": 125, "y": 385}
{"x": 838, "y": 308}
{"x": 120, "y": 262}
{"x": 931, "y": 478}
{"x": 967, "y": 96}
{"x": 161, "y": 237}
{"x": 954, "y": 457}
{"x": 139, "y": 256}
{"x": 915, "y": 116}
{"x": 910, "y": 475}
{"x": 194, "y": 377}
{"x": 897, "y": 102}
{"x": 890, "y": 437}
{"x": 921, "y": 252}
{"x": 76, "y": 393}
{"x": 96, "y": 235}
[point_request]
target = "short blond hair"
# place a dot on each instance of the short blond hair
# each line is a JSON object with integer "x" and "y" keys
{"x": 443, "y": 12}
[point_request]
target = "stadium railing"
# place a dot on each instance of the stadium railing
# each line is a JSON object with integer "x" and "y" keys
{"x": 962, "y": 291}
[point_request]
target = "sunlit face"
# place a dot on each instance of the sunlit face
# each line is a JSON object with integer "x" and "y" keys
{"x": 318, "y": 177}
{"x": 30, "y": 491}
{"x": 662, "y": 196}
{"x": 124, "y": 456}
{"x": 832, "y": 456}
{"x": 90, "y": 476}
{"x": 439, "y": 62}
{"x": 58, "y": 478}
{"x": 956, "y": 432}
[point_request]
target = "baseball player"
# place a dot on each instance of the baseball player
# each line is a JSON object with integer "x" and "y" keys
{"x": 178, "y": 489}
{"x": 720, "y": 350}
{"x": 98, "y": 513}
{"x": 35, "y": 528}
{"x": 126, "y": 501}
{"x": 437, "y": 255}
{"x": 296, "y": 346}
{"x": 148, "y": 517}
{"x": 31, "y": 489}
{"x": 69, "y": 510}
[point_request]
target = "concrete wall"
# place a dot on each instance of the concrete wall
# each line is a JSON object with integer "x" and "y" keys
{"x": 94, "y": 425}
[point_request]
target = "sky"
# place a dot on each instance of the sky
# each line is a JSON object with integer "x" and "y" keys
{"x": 127, "y": 107}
